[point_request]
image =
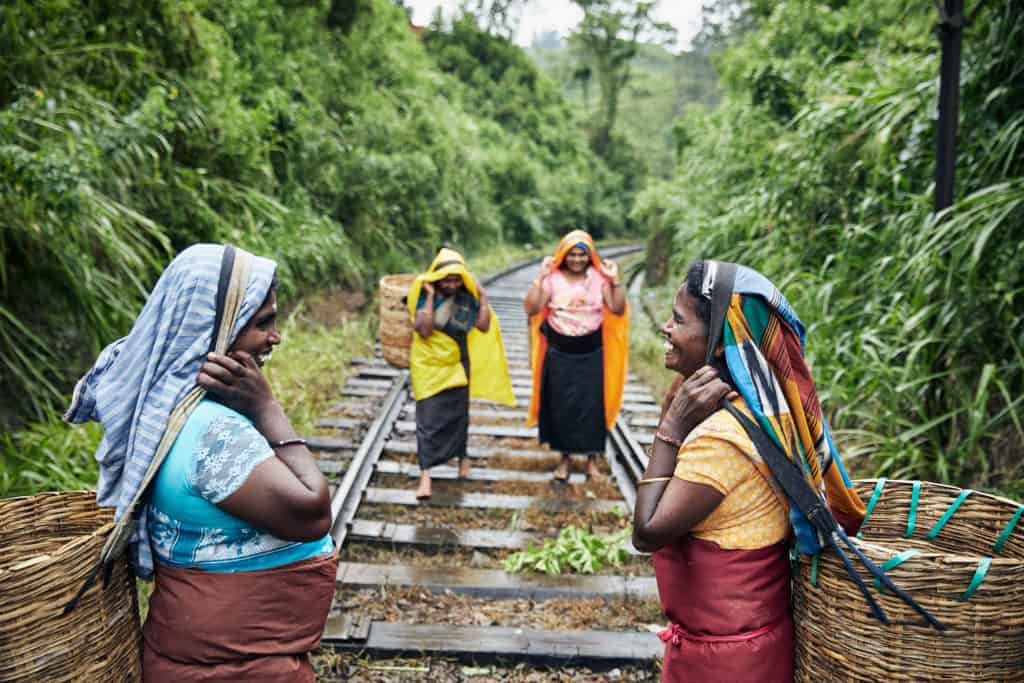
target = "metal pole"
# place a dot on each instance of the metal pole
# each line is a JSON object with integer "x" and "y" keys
{"x": 949, "y": 102}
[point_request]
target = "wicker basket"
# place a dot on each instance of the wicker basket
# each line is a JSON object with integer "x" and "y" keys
{"x": 50, "y": 544}
{"x": 395, "y": 326}
{"x": 980, "y": 600}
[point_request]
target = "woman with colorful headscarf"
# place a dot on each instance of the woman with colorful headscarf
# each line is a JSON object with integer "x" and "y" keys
{"x": 457, "y": 353}
{"x": 214, "y": 491}
{"x": 579, "y": 343}
{"x": 708, "y": 506}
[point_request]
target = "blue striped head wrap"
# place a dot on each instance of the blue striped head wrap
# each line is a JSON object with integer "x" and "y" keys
{"x": 138, "y": 380}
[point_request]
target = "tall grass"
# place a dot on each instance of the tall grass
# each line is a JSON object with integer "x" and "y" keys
{"x": 305, "y": 373}
{"x": 916, "y": 321}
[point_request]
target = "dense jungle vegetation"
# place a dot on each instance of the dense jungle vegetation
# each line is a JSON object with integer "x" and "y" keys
{"x": 323, "y": 133}
{"x": 331, "y": 136}
{"x": 817, "y": 170}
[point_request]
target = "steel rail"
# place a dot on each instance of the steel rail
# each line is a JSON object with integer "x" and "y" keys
{"x": 349, "y": 494}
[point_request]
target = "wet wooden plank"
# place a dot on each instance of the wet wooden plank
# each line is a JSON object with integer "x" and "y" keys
{"x": 647, "y": 407}
{"x": 476, "y": 474}
{"x": 342, "y": 423}
{"x": 368, "y": 383}
{"x": 355, "y": 408}
{"x": 594, "y": 649}
{"x": 380, "y": 496}
{"x": 364, "y": 391}
{"x": 375, "y": 531}
{"x": 395, "y": 446}
{"x": 333, "y": 466}
{"x": 508, "y": 431}
{"x": 380, "y": 371}
{"x": 497, "y": 584}
{"x": 328, "y": 444}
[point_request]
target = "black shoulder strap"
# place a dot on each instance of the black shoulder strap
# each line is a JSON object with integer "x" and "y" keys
{"x": 721, "y": 296}
{"x": 227, "y": 264}
{"x": 789, "y": 474}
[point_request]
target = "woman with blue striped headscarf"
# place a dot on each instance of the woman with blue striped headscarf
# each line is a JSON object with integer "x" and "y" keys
{"x": 214, "y": 492}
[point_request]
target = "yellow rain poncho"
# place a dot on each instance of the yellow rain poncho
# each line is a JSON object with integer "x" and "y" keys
{"x": 434, "y": 362}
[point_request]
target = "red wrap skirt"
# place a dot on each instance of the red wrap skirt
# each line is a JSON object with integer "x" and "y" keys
{"x": 729, "y": 611}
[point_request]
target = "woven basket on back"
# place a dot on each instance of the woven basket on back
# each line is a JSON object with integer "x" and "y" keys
{"x": 50, "y": 543}
{"x": 968, "y": 572}
{"x": 395, "y": 326}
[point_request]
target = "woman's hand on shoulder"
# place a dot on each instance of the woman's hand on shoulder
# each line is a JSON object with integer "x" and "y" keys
{"x": 545, "y": 266}
{"x": 696, "y": 399}
{"x": 238, "y": 382}
{"x": 428, "y": 287}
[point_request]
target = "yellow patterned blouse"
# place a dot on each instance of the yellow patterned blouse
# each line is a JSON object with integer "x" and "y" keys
{"x": 718, "y": 454}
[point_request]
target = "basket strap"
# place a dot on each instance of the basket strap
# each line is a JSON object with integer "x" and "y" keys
{"x": 979, "y": 576}
{"x": 892, "y": 562}
{"x": 875, "y": 495}
{"x": 1007, "y": 530}
{"x": 915, "y": 494}
{"x": 949, "y": 513}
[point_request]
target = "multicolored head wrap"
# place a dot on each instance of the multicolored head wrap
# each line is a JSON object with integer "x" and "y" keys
{"x": 764, "y": 351}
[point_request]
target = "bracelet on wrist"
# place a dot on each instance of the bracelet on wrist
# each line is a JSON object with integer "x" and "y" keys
{"x": 653, "y": 480}
{"x": 288, "y": 442}
{"x": 678, "y": 443}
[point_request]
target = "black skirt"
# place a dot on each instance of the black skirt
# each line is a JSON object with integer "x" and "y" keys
{"x": 442, "y": 420}
{"x": 571, "y": 418}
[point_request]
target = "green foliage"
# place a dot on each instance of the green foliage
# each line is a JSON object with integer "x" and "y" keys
{"x": 662, "y": 86}
{"x": 321, "y": 134}
{"x": 304, "y": 373}
{"x": 49, "y": 456}
{"x": 574, "y": 549}
{"x": 817, "y": 171}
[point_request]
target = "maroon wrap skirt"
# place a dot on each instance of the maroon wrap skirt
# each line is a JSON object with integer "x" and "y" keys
{"x": 729, "y": 611}
{"x": 253, "y": 626}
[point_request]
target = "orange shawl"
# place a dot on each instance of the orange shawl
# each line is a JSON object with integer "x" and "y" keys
{"x": 614, "y": 338}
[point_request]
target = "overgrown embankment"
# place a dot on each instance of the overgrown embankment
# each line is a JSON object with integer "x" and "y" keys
{"x": 324, "y": 134}
{"x": 817, "y": 170}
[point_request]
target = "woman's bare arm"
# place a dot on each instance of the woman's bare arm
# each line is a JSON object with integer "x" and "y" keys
{"x": 536, "y": 297}
{"x": 667, "y": 510}
{"x": 483, "y": 316}
{"x": 286, "y": 494}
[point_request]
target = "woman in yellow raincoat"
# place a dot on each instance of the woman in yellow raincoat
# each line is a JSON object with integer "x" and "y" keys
{"x": 457, "y": 352}
{"x": 579, "y": 334}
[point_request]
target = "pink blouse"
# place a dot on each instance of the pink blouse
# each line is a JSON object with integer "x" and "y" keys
{"x": 575, "y": 309}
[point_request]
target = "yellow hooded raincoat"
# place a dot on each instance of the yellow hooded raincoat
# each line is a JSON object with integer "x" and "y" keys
{"x": 434, "y": 362}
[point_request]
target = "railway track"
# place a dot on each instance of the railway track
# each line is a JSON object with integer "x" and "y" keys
{"x": 424, "y": 580}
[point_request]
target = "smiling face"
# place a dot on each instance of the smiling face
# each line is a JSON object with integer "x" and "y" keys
{"x": 577, "y": 260}
{"x": 259, "y": 337}
{"x": 686, "y": 335}
{"x": 450, "y": 284}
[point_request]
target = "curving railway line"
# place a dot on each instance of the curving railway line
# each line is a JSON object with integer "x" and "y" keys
{"x": 425, "y": 580}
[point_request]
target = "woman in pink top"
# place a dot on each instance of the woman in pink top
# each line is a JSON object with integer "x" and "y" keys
{"x": 571, "y": 297}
